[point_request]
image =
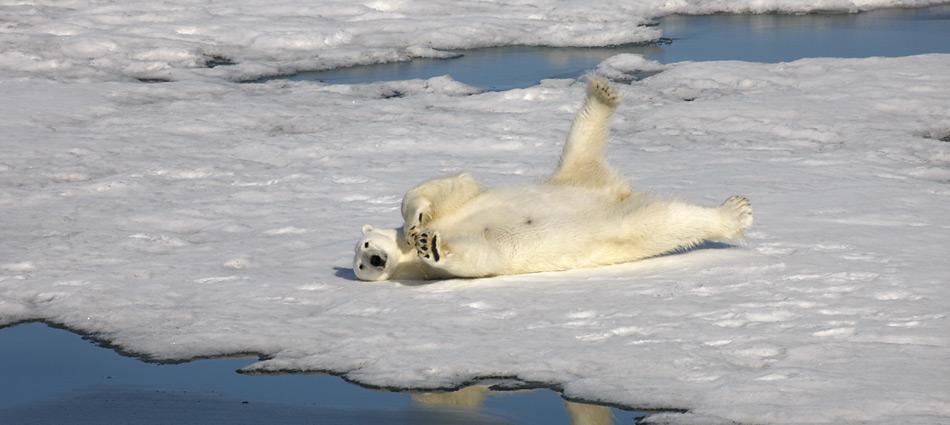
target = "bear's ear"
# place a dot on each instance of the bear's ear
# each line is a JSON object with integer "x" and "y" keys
{"x": 367, "y": 228}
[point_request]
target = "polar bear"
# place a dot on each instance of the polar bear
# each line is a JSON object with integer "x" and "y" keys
{"x": 586, "y": 214}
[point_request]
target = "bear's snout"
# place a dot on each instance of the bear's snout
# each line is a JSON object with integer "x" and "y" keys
{"x": 377, "y": 261}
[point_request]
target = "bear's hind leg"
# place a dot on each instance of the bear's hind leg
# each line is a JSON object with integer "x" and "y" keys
{"x": 583, "y": 161}
{"x": 737, "y": 214}
{"x": 660, "y": 227}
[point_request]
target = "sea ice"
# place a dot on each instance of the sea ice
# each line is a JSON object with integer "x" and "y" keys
{"x": 248, "y": 39}
{"x": 205, "y": 218}
{"x": 625, "y": 67}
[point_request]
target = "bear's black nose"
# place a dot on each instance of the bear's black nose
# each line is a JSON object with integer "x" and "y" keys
{"x": 377, "y": 261}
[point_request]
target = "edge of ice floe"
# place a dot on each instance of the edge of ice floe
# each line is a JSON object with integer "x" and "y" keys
{"x": 496, "y": 382}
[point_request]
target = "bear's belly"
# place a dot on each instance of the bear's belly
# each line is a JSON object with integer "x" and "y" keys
{"x": 529, "y": 209}
{"x": 540, "y": 227}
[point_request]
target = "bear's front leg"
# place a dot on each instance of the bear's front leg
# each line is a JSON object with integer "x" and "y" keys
{"x": 416, "y": 217}
{"x": 434, "y": 199}
{"x": 469, "y": 256}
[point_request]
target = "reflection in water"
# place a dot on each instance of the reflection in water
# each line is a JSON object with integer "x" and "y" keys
{"x": 588, "y": 414}
{"x": 51, "y": 376}
{"x": 495, "y": 68}
{"x": 756, "y": 38}
{"x": 473, "y": 397}
{"x": 469, "y": 398}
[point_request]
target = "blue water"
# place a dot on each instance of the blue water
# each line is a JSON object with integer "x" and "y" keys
{"x": 52, "y": 376}
{"x": 756, "y": 38}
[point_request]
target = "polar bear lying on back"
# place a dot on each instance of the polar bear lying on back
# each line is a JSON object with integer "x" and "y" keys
{"x": 584, "y": 215}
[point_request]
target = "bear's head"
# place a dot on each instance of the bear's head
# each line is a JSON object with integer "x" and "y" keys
{"x": 377, "y": 254}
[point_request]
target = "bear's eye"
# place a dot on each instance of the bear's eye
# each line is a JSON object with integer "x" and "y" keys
{"x": 377, "y": 261}
{"x": 366, "y": 245}
{"x": 361, "y": 267}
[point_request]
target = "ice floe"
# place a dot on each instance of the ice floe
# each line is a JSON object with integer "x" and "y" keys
{"x": 204, "y": 218}
{"x": 247, "y": 39}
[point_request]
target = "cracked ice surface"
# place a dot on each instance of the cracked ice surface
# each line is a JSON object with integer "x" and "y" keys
{"x": 184, "y": 39}
{"x": 207, "y": 218}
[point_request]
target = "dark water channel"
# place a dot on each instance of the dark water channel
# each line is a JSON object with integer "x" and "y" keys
{"x": 755, "y": 38}
{"x": 51, "y": 376}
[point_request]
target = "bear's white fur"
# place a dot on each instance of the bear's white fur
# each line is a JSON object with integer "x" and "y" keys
{"x": 584, "y": 215}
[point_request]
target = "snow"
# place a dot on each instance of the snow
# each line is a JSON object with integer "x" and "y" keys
{"x": 206, "y": 218}
{"x": 203, "y": 217}
{"x": 246, "y": 39}
{"x": 628, "y": 66}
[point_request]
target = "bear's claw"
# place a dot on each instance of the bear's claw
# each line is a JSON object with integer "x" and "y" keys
{"x": 738, "y": 213}
{"x": 428, "y": 250}
{"x": 601, "y": 90}
{"x": 412, "y": 228}
{"x": 435, "y": 248}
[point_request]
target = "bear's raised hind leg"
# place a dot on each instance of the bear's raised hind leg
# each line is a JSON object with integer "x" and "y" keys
{"x": 583, "y": 162}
